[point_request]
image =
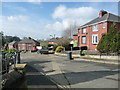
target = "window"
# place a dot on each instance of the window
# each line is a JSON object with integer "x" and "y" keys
{"x": 95, "y": 39}
{"x": 29, "y": 47}
{"x": 19, "y": 48}
{"x": 23, "y": 47}
{"x": 83, "y": 30}
{"x": 103, "y": 25}
{"x": 95, "y": 28}
{"x": 29, "y": 44}
{"x": 83, "y": 39}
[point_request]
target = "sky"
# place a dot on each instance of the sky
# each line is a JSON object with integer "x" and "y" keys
{"x": 40, "y": 20}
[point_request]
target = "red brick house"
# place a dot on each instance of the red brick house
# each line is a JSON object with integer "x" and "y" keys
{"x": 13, "y": 45}
{"x": 28, "y": 44}
{"x": 90, "y": 33}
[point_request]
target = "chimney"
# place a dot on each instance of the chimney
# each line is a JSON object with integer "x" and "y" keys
{"x": 29, "y": 38}
{"x": 102, "y": 13}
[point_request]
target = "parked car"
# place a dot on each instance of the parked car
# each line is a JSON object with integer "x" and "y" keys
{"x": 43, "y": 51}
{"x": 34, "y": 50}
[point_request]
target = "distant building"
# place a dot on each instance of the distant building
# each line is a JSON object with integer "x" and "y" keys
{"x": 13, "y": 45}
{"x": 28, "y": 44}
{"x": 52, "y": 41}
{"x": 89, "y": 34}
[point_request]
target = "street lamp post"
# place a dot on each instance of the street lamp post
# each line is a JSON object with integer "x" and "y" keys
{"x": 53, "y": 36}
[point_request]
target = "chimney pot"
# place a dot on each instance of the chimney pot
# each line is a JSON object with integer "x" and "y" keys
{"x": 102, "y": 13}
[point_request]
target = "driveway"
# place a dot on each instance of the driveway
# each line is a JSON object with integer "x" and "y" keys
{"x": 71, "y": 74}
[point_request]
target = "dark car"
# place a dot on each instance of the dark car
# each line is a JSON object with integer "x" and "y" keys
{"x": 43, "y": 51}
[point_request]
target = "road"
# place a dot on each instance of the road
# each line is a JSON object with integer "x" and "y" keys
{"x": 68, "y": 74}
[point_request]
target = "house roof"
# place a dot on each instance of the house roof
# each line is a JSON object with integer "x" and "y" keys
{"x": 105, "y": 17}
{"x": 13, "y": 43}
{"x": 28, "y": 41}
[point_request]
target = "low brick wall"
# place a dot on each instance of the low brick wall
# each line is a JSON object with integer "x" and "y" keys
{"x": 104, "y": 57}
{"x": 92, "y": 56}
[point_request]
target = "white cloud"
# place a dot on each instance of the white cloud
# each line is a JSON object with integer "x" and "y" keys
{"x": 14, "y": 24}
{"x": 56, "y": 26}
{"x": 14, "y": 7}
{"x": 69, "y": 16}
{"x": 23, "y": 26}
{"x": 17, "y": 18}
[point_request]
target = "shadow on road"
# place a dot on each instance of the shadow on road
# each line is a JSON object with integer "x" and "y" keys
{"x": 36, "y": 79}
{"x": 36, "y": 62}
{"x": 80, "y": 77}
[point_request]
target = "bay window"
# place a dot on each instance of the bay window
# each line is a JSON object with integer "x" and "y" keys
{"x": 95, "y": 39}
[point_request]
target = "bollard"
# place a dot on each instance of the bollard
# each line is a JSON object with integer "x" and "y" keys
{"x": 18, "y": 58}
{"x": 70, "y": 56}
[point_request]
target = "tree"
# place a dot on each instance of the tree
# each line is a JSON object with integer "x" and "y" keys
{"x": 68, "y": 32}
{"x": 63, "y": 41}
{"x": 15, "y": 38}
{"x": 110, "y": 42}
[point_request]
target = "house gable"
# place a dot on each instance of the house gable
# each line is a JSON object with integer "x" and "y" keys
{"x": 94, "y": 33}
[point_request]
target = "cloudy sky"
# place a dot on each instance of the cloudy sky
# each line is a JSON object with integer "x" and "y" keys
{"x": 39, "y": 20}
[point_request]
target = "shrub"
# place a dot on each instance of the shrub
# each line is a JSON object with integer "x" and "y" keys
{"x": 110, "y": 42}
{"x": 10, "y": 51}
{"x": 59, "y": 49}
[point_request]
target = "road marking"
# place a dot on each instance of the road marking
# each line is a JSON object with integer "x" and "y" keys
{"x": 42, "y": 86}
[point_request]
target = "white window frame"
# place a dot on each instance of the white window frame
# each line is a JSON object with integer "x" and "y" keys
{"x": 84, "y": 40}
{"x": 19, "y": 47}
{"x": 95, "y": 39}
{"x": 29, "y": 47}
{"x": 103, "y": 25}
{"x": 83, "y": 30}
{"x": 94, "y": 29}
{"x": 23, "y": 46}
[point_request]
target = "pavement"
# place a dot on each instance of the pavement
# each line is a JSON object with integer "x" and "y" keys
{"x": 36, "y": 79}
{"x": 85, "y": 58}
{"x": 67, "y": 73}
{"x": 11, "y": 80}
{"x": 14, "y": 78}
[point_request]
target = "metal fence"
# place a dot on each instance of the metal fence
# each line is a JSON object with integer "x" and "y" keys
{"x": 9, "y": 59}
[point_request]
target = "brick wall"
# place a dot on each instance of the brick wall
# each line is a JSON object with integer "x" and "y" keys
{"x": 25, "y": 47}
{"x": 89, "y": 34}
